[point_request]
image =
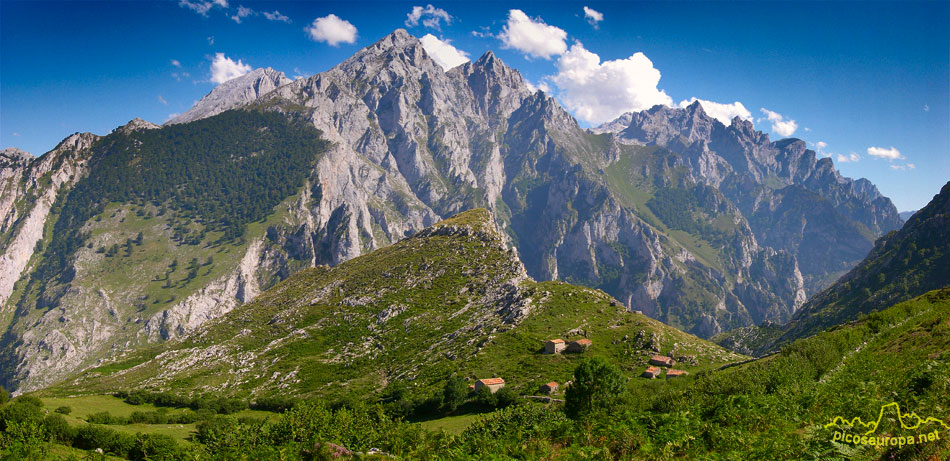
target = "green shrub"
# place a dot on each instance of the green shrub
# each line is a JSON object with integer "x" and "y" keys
{"x": 598, "y": 386}
{"x": 64, "y": 410}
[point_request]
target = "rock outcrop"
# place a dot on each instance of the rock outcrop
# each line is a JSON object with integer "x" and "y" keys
{"x": 234, "y": 93}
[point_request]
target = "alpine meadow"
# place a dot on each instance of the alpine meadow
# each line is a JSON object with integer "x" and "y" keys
{"x": 458, "y": 231}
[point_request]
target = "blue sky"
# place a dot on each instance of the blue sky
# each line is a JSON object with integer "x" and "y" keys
{"x": 866, "y": 83}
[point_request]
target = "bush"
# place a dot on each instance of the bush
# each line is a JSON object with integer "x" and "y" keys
{"x": 29, "y": 400}
{"x": 276, "y": 404}
{"x": 4, "y": 395}
{"x": 598, "y": 386}
{"x": 103, "y": 417}
{"x": 64, "y": 410}
{"x": 58, "y": 430}
{"x": 454, "y": 394}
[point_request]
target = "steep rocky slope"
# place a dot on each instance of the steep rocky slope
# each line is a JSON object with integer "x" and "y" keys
{"x": 903, "y": 264}
{"x": 793, "y": 200}
{"x": 665, "y": 224}
{"x": 451, "y": 299}
{"x": 233, "y": 93}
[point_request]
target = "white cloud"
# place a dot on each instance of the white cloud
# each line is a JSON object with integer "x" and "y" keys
{"x": 807, "y": 129}
{"x": 176, "y": 63}
{"x": 889, "y": 154}
{"x": 821, "y": 145}
{"x": 719, "y": 111}
{"x": 852, "y": 157}
{"x": 202, "y": 7}
{"x": 242, "y": 13}
{"x": 779, "y": 124}
{"x": 532, "y": 36}
{"x": 276, "y": 16}
{"x": 224, "y": 68}
{"x": 16, "y": 134}
{"x": 171, "y": 116}
{"x": 593, "y": 16}
{"x": 905, "y": 167}
{"x": 926, "y": 108}
{"x": 211, "y": 40}
{"x": 162, "y": 100}
{"x": 443, "y": 52}
{"x": 600, "y": 91}
{"x": 430, "y": 15}
{"x": 179, "y": 76}
{"x": 332, "y": 30}
{"x": 483, "y": 33}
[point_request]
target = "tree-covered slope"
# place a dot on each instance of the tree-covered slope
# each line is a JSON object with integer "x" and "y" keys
{"x": 159, "y": 229}
{"x": 451, "y": 300}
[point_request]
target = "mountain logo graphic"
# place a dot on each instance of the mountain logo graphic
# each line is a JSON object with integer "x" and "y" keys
{"x": 908, "y": 422}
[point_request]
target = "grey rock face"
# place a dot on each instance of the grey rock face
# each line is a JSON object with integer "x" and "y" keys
{"x": 233, "y": 93}
{"x": 793, "y": 200}
{"x": 412, "y": 144}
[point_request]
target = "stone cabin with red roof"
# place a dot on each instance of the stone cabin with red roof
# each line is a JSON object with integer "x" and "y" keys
{"x": 554, "y": 346}
{"x": 651, "y": 372}
{"x": 549, "y": 388}
{"x": 493, "y": 384}
{"x": 671, "y": 373}
{"x": 580, "y": 345}
{"x": 662, "y": 361}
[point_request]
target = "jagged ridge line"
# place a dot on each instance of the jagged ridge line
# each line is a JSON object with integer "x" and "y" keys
{"x": 900, "y": 418}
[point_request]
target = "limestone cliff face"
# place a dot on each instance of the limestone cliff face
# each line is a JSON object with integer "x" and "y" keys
{"x": 29, "y": 187}
{"x": 412, "y": 144}
{"x": 233, "y": 93}
{"x": 793, "y": 200}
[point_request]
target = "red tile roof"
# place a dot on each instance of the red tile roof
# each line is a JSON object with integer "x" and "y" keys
{"x": 551, "y": 384}
{"x": 555, "y": 340}
{"x": 490, "y": 381}
{"x": 653, "y": 369}
{"x": 672, "y": 372}
{"x": 583, "y": 342}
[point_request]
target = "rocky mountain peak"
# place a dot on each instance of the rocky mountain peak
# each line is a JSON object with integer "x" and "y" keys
{"x": 15, "y": 156}
{"x": 234, "y": 93}
{"x": 136, "y": 124}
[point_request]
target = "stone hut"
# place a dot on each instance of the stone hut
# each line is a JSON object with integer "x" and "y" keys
{"x": 549, "y": 388}
{"x": 493, "y": 384}
{"x": 554, "y": 346}
{"x": 580, "y": 345}
{"x": 662, "y": 361}
{"x": 651, "y": 372}
{"x": 671, "y": 373}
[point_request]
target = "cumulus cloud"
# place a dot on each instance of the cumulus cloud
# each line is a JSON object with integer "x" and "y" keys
{"x": 332, "y": 30}
{"x": 171, "y": 116}
{"x": 176, "y": 63}
{"x": 593, "y": 16}
{"x": 600, "y": 91}
{"x": 889, "y": 154}
{"x": 242, "y": 13}
{"x": 905, "y": 167}
{"x": 719, "y": 111}
{"x": 852, "y": 157}
{"x": 224, "y": 68}
{"x": 532, "y": 36}
{"x": 276, "y": 16}
{"x": 202, "y": 7}
{"x": 431, "y": 17}
{"x": 443, "y": 52}
{"x": 779, "y": 124}
{"x": 926, "y": 108}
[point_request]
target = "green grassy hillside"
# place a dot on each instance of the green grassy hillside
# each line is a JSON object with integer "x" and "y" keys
{"x": 451, "y": 300}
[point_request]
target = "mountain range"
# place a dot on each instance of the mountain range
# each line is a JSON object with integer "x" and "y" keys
{"x": 114, "y": 242}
